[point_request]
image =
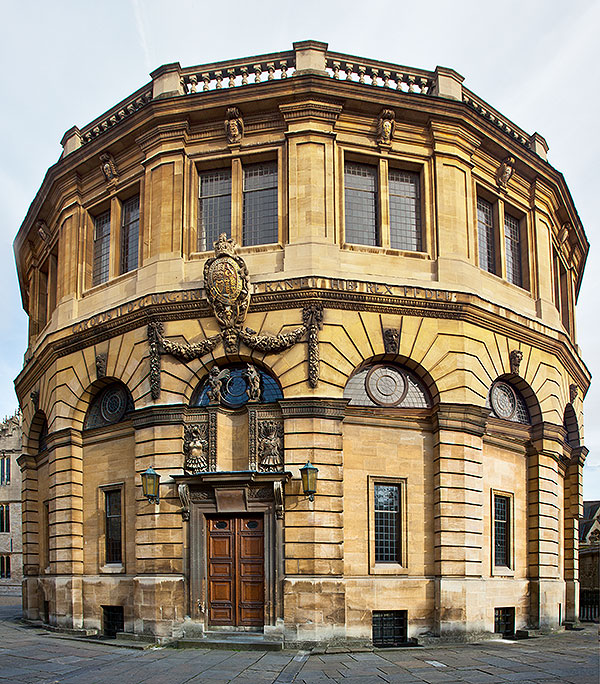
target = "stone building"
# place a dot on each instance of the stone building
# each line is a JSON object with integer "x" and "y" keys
{"x": 302, "y": 257}
{"x": 11, "y": 545}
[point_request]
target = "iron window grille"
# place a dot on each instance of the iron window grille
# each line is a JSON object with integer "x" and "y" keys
{"x": 504, "y": 621}
{"x": 501, "y": 531}
{"x": 387, "y": 523}
{"x": 101, "y": 248}
{"x": 112, "y": 620}
{"x": 390, "y": 628}
{"x": 112, "y": 499}
{"x": 130, "y": 231}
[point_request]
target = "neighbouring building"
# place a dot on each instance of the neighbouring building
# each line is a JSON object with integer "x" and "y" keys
{"x": 306, "y": 256}
{"x": 589, "y": 561}
{"x": 11, "y": 546}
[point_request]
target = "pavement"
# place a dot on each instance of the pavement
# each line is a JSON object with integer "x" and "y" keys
{"x": 31, "y": 655}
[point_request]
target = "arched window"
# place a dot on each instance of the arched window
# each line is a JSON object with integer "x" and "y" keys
{"x": 571, "y": 426}
{"x": 111, "y": 405}
{"x": 507, "y": 403}
{"x": 236, "y": 385}
{"x": 388, "y": 386}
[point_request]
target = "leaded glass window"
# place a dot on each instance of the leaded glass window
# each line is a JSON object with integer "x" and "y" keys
{"x": 486, "y": 238}
{"x": 507, "y": 403}
{"x": 101, "y": 248}
{"x": 214, "y": 207}
{"x": 405, "y": 210}
{"x": 512, "y": 242}
{"x": 260, "y": 225}
{"x": 387, "y": 523}
{"x": 501, "y": 530}
{"x": 386, "y": 386}
{"x": 235, "y": 388}
{"x": 130, "y": 230}
{"x": 360, "y": 183}
{"x": 113, "y": 526}
{"x": 110, "y": 406}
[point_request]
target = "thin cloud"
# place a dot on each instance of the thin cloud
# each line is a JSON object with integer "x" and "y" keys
{"x": 141, "y": 31}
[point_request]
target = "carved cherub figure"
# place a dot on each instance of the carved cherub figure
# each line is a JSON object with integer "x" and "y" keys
{"x": 253, "y": 380}
{"x": 216, "y": 378}
{"x": 505, "y": 172}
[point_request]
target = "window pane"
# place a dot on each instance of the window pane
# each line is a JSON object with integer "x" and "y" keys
{"x": 512, "y": 239}
{"x": 260, "y": 204}
{"x": 387, "y": 512}
{"x": 485, "y": 232}
{"x": 113, "y": 526}
{"x": 130, "y": 229}
{"x": 214, "y": 207}
{"x": 101, "y": 248}
{"x": 360, "y": 186}
{"x": 501, "y": 530}
{"x": 405, "y": 211}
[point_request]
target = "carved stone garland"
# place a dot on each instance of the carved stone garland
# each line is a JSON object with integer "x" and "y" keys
{"x": 228, "y": 292}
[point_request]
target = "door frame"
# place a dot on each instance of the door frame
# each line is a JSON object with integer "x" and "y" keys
{"x": 240, "y": 493}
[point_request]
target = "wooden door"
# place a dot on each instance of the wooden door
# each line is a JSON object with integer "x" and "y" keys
{"x": 236, "y": 570}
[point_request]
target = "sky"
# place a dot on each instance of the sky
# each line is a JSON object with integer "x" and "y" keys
{"x": 66, "y": 62}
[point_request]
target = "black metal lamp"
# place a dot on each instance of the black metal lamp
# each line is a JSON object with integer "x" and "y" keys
{"x": 150, "y": 484}
{"x": 309, "y": 480}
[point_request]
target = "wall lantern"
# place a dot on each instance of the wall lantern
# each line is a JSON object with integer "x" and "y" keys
{"x": 150, "y": 483}
{"x": 309, "y": 480}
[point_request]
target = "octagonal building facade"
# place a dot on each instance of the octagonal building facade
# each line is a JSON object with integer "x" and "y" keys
{"x": 302, "y": 257}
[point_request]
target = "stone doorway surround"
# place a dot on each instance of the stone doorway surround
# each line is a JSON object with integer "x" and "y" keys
{"x": 232, "y": 493}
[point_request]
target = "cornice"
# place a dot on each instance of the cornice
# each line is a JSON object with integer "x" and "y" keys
{"x": 332, "y": 409}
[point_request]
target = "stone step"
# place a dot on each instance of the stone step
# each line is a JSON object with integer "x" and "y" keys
{"x": 235, "y": 641}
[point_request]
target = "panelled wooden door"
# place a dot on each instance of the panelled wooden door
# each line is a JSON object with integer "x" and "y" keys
{"x": 236, "y": 581}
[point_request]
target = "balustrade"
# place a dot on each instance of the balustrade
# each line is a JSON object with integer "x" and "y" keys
{"x": 384, "y": 76}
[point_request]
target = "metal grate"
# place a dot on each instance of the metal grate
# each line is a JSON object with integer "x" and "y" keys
{"x": 130, "y": 230}
{"x": 504, "y": 621}
{"x": 101, "y": 248}
{"x": 112, "y": 620}
{"x": 387, "y": 523}
{"x": 260, "y": 204}
{"x": 405, "y": 210}
{"x": 501, "y": 531}
{"x": 360, "y": 183}
{"x": 485, "y": 232}
{"x": 214, "y": 207}
{"x": 390, "y": 628}
{"x": 512, "y": 242}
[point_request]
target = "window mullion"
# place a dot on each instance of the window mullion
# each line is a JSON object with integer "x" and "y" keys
{"x": 237, "y": 200}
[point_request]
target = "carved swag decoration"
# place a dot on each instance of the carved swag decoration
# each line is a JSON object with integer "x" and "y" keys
{"x": 227, "y": 289}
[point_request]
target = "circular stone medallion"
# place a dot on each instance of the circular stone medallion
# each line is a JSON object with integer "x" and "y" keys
{"x": 503, "y": 400}
{"x": 224, "y": 280}
{"x": 386, "y": 386}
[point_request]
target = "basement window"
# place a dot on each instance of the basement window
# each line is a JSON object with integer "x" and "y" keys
{"x": 390, "y": 628}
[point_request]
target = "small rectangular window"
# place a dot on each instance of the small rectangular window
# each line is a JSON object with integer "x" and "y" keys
{"x": 5, "y": 566}
{"x": 130, "y": 231}
{"x": 360, "y": 192}
{"x": 4, "y": 470}
{"x": 112, "y": 619}
{"x": 214, "y": 207}
{"x": 113, "y": 526}
{"x": 260, "y": 220}
{"x": 4, "y": 517}
{"x": 504, "y": 621}
{"x": 405, "y": 210}
{"x": 101, "y": 248}
{"x": 387, "y": 523}
{"x": 486, "y": 235}
{"x": 512, "y": 243}
{"x": 501, "y": 531}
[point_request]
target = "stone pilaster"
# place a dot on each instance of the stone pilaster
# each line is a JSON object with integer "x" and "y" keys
{"x": 544, "y": 515}
{"x": 313, "y": 587}
{"x": 31, "y": 534}
{"x": 458, "y": 519}
{"x": 65, "y": 471}
{"x": 572, "y": 513}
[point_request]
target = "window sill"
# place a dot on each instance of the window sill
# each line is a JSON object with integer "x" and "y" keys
{"x": 113, "y": 569}
{"x": 247, "y": 249}
{"x": 111, "y": 281}
{"x": 502, "y": 571}
{"x": 388, "y": 251}
{"x": 388, "y": 569}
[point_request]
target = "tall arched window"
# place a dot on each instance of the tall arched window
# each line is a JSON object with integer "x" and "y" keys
{"x": 388, "y": 386}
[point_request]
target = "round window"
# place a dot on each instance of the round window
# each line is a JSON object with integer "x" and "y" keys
{"x": 386, "y": 385}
